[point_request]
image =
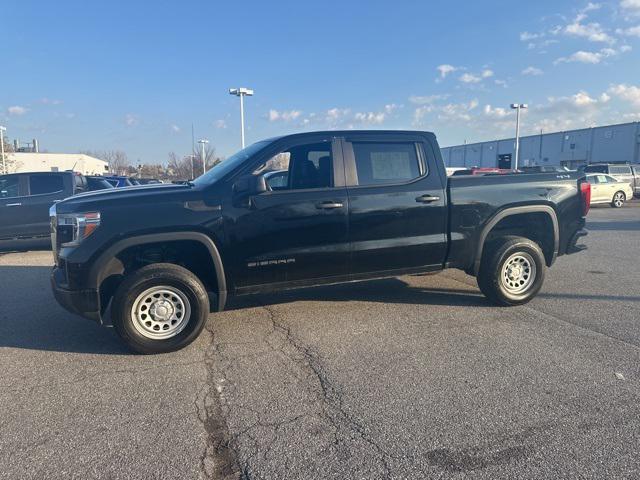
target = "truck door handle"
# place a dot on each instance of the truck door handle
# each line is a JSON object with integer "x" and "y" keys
{"x": 13, "y": 204}
{"x": 328, "y": 205}
{"x": 427, "y": 198}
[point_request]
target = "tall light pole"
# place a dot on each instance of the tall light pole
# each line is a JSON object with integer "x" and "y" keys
{"x": 202, "y": 143}
{"x": 193, "y": 173}
{"x": 517, "y": 107}
{"x": 4, "y": 162}
{"x": 241, "y": 92}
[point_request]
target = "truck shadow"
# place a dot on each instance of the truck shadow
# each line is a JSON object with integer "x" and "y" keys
{"x": 391, "y": 290}
{"x": 30, "y": 318}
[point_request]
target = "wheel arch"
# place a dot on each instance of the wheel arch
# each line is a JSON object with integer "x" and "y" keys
{"x": 508, "y": 213}
{"x": 108, "y": 263}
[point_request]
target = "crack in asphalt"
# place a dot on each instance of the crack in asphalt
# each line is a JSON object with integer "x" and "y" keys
{"x": 331, "y": 398}
{"x": 219, "y": 459}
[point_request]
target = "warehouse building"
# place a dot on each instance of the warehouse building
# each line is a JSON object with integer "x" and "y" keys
{"x": 612, "y": 144}
{"x": 18, "y": 162}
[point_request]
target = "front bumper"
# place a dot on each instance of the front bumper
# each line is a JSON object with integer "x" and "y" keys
{"x": 85, "y": 303}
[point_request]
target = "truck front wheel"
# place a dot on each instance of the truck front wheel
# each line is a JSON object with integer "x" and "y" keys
{"x": 160, "y": 308}
{"x": 512, "y": 271}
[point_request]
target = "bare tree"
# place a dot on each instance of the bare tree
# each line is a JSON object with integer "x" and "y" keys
{"x": 117, "y": 159}
{"x": 9, "y": 161}
{"x": 179, "y": 168}
{"x": 210, "y": 158}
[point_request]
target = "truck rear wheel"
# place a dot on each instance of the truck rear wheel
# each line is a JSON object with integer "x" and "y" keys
{"x": 160, "y": 308}
{"x": 512, "y": 271}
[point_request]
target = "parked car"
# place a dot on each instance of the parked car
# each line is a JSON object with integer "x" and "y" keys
{"x": 148, "y": 181}
{"x": 97, "y": 182}
{"x": 358, "y": 205}
{"x": 607, "y": 189}
{"x": 25, "y": 199}
{"x": 620, "y": 171}
{"x": 118, "y": 181}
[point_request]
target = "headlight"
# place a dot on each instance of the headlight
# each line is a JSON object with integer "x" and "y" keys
{"x": 79, "y": 226}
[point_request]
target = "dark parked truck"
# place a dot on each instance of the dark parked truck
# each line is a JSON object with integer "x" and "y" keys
{"x": 153, "y": 261}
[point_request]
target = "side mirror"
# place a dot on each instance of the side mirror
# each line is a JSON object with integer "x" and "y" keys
{"x": 246, "y": 187}
{"x": 249, "y": 185}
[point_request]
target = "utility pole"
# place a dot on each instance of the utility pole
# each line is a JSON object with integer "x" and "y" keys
{"x": 241, "y": 92}
{"x": 517, "y": 107}
{"x": 4, "y": 162}
{"x": 202, "y": 143}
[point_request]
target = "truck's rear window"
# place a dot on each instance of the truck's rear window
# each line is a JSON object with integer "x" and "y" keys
{"x": 381, "y": 163}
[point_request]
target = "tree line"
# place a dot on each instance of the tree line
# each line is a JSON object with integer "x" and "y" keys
{"x": 177, "y": 167}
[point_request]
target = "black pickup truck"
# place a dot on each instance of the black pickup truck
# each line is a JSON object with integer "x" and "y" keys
{"x": 153, "y": 261}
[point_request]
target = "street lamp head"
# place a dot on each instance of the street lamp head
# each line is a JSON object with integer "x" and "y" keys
{"x": 519, "y": 105}
{"x": 203, "y": 140}
{"x": 3, "y": 129}
{"x": 241, "y": 91}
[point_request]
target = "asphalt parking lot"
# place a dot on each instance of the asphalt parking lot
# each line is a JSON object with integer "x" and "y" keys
{"x": 417, "y": 377}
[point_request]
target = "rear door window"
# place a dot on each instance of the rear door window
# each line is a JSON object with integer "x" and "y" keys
{"x": 386, "y": 163}
{"x": 621, "y": 170}
{"x": 43, "y": 184}
{"x": 10, "y": 186}
{"x": 595, "y": 169}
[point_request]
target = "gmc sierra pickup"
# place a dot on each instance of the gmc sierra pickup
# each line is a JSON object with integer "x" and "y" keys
{"x": 154, "y": 261}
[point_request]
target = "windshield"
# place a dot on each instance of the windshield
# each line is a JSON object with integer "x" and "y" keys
{"x": 226, "y": 166}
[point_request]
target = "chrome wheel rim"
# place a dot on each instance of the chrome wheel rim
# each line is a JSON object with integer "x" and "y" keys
{"x": 618, "y": 199}
{"x": 160, "y": 312}
{"x": 518, "y": 273}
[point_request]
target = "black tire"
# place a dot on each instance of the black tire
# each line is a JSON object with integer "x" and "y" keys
{"x": 618, "y": 199}
{"x": 495, "y": 260}
{"x": 191, "y": 303}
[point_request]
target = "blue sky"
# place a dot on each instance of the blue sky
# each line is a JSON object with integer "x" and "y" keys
{"x": 135, "y": 75}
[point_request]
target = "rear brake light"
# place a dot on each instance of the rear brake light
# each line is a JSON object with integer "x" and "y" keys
{"x": 585, "y": 191}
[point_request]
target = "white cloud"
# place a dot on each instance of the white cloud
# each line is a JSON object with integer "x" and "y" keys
{"x": 220, "y": 124}
{"x": 629, "y": 32}
{"x": 391, "y": 107}
{"x": 469, "y": 78}
{"x": 50, "y": 101}
{"x": 486, "y": 73}
{"x": 628, "y": 93}
{"x": 527, "y": 37}
{"x": 175, "y": 128}
{"x": 632, "y": 6}
{"x": 131, "y": 120}
{"x": 592, "y": 31}
{"x": 372, "y": 118}
{"x": 583, "y": 56}
{"x": 591, "y": 6}
{"x": 533, "y": 71}
{"x": 446, "y": 69}
{"x": 17, "y": 110}
{"x": 334, "y": 114}
{"x": 501, "y": 83}
{"x": 286, "y": 116}
{"x": 426, "y": 99}
{"x": 496, "y": 113}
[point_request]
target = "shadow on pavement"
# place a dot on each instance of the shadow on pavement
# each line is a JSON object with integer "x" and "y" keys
{"x": 627, "y": 226}
{"x": 392, "y": 290}
{"x": 30, "y": 318}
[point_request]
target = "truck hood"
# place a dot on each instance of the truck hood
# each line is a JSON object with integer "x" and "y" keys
{"x": 126, "y": 192}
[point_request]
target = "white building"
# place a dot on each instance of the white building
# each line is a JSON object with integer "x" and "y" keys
{"x": 55, "y": 162}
